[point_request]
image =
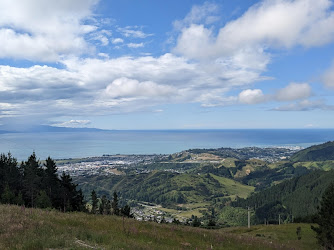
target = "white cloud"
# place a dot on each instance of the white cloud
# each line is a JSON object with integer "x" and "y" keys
{"x": 294, "y": 91}
{"x": 73, "y": 123}
{"x": 103, "y": 39}
{"x": 281, "y": 23}
{"x": 135, "y": 45}
{"x": 251, "y": 96}
{"x": 233, "y": 59}
{"x": 269, "y": 24}
{"x": 112, "y": 85}
{"x": 216, "y": 99}
{"x": 205, "y": 13}
{"x": 117, "y": 40}
{"x": 43, "y": 31}
{"x": 306, "y": 105}
{"x": 125, "y": 87}
{"x": 133, "y": 31}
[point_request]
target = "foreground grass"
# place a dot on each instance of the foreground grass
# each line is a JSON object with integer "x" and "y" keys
{"x": 25, "y": 228}
{"x": 284, "y": 234}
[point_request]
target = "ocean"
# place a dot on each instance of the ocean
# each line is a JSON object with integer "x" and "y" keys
{"x": 62, "y": 145}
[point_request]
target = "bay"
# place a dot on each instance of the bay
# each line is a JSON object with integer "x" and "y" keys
{"x": 61, "y": 145}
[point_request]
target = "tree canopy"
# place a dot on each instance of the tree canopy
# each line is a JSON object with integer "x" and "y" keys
{"x": 35, "y": 185}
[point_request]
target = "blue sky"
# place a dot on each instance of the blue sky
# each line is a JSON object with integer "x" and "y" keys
{"x": 167, "y": 64}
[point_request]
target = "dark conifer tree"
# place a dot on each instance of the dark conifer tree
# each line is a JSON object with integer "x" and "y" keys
{"x": 66, "y": 191}
{"x": 114, "y": 204}
{"x": 7, "y": 197}
{"x": 126, "y": 211}
{"x": 32, "y": 185}
{"x": 43, "y": 200}
{"x": 9, "y": 174}
{"x": 95, "y": 202}
{"x": 32, "y": 179}
{"x": 325, "y": 219}
{"x": 79, "y": 201}
{"x": 52, "y": 182}
{"x": 104, "y": 206}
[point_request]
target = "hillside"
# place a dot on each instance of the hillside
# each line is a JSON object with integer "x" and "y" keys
{"x": 27, "y": 228}
{"x": 171, "y": 190}
{"x": 322, "y": 152}
{"x": 298, "y": 197}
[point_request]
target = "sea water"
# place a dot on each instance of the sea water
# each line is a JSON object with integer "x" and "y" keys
{"x": 61, "y": 145}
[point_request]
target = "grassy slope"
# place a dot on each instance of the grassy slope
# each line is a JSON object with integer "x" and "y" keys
{"x": 195, "y": 188}
{"x": 313, "y": 165}
{"x": 284, "y": 234}
{"x": 234, "y": 188}
{"x": 41, "y": 229}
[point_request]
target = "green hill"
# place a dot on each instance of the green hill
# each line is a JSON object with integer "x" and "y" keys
{"x": 28, "y": 228}
{"x": 165, "y": 188}
{"x": 322, "y": 152}
{"x": 298, "y": 197}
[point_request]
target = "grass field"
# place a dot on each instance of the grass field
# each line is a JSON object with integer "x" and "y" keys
{"x": 283, "y": 234}
{"x": 25, "y": 228}
{"x": 234, "y": 188}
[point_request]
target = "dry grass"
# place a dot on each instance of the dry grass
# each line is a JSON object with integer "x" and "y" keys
{"x": 25, "y": 228}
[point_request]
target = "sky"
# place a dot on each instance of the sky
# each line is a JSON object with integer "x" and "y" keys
{"x": 155, "y": 64}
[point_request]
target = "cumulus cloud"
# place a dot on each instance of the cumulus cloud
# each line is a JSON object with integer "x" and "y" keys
{"x": 117, "y": 40}
{"x": 43, "y": 31}
{"x": 135, "y": 45}
{"x": 231, "y": 59}
{"x": 125, "y": 87}
{"x": 251, "y": 96}
{"x": 294, "y": 91}
{"x": 269, "y": 24}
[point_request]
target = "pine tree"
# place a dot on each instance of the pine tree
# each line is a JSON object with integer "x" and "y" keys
{"x": 69, "y": 194}
{"x": 51, "y": 182}
{"x": 114, "y": 204}
{"x": 19, "y": 199}
{"x": 7, "y": 196}
{"x": 325, "y": 219}
{"x": 126, "y": 211}
{"x": 103, "y": 209}
{"x": 43, "y": 200}
{"x": 95, "y": 202}
{"x": 196, "y": 222}
{"x": 32, "y": 177}
{"x": 9, "y": 174}
{"x": 79, "y": 203}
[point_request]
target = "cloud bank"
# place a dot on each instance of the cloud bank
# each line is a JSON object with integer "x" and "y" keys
{"x": 206, "y": 63}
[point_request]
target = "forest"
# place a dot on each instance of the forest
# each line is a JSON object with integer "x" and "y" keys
{"x": 33, "y": 184}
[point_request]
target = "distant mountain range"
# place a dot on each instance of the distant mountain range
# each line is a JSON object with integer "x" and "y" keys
{"x": 47, "y": 128}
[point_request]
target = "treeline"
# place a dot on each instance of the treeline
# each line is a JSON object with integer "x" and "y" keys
{"x": 107, "y": 207}
{"x": 296, "y": 199}
{"x": 37, "y": 185}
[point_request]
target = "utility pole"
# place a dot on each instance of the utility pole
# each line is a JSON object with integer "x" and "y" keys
{"x": 248, "y": 217}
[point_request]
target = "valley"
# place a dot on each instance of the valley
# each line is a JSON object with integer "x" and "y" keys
{"x": 203, "y": 183}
